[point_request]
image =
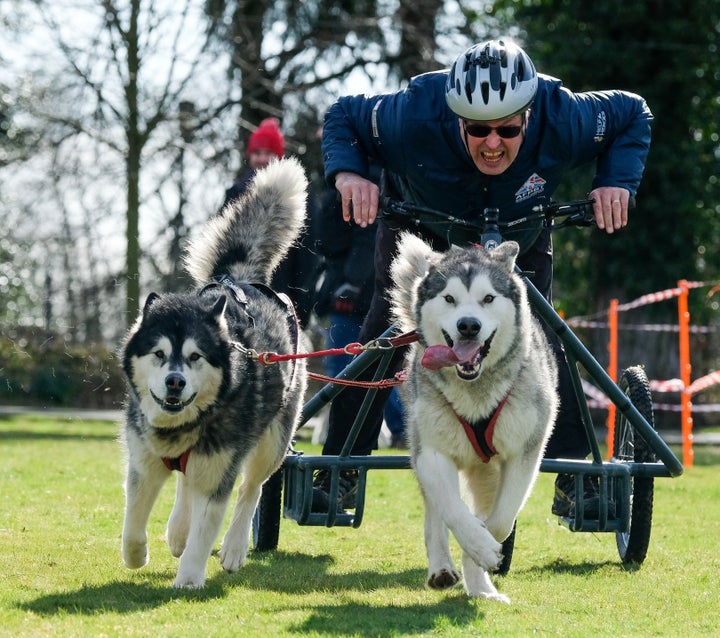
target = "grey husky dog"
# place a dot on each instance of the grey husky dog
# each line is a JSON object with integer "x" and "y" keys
{"x": 481, "y": 400}
{"x": 199, "y": 401}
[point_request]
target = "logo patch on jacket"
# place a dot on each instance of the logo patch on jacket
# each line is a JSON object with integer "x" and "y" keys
{"x": 534, "y": 186}
{"x": 600, "y": 127}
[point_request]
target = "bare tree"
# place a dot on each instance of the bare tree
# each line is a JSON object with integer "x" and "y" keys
{"x": 115, "y": 90}
{"x": 105, "y": 81}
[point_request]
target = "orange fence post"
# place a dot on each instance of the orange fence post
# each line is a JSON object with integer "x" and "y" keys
{"x": 685, "y": 370}
{"x": 612, "y": 371}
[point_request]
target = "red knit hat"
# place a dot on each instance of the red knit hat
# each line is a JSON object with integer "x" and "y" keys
{"x": 267, "y": 136}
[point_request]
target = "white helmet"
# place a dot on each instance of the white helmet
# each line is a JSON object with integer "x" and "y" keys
{"x": 491, "y": 81}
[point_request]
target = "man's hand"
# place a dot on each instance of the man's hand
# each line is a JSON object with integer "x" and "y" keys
{"x": 610, "y": 208}
{"x": 359, "y": 197}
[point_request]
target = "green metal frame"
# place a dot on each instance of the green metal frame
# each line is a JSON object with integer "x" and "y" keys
{"x": 614, "y": 477}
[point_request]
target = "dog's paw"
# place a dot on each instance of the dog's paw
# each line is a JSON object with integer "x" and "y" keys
{"x": 232, "y": 558}
{"x": 443, "y": 579}
{"x": 478, "y": 584}
{"x": 485, "y": 551}
{"x": 176, "y": 544}
{"x": 135, "y": 554}
{"x": 494, "y": 557}
{"x": 496, "y": 596}
{"x": 189, "y": 581}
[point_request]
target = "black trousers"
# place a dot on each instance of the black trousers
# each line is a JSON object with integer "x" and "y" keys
{"x": 568, "y": 440}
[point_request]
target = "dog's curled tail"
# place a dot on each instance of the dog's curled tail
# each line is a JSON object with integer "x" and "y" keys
{"x": 252, "y": 234}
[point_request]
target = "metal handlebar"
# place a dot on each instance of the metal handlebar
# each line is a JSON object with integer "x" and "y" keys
{"x": 488, "y": 229}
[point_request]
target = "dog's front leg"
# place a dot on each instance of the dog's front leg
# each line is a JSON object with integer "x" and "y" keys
{"x": 438, "y": 478}
{"x": 237, "y": 538}
{"x": 477, "y": 581}
{"x": 263, "y": 460}
{"x": 517, "y": 477}
{"x": 442, "y": 572}
{"x": 141, "y": 491}
{"x": 205, "y": 522}
{"x": 178, "y": 526}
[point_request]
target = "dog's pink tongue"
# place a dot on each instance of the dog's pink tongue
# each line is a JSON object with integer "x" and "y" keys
{"x": 436, "y": 357}
{"x": 466, "y": 350}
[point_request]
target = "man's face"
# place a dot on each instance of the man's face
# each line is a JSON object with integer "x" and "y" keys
{"x": 493, "y": 145}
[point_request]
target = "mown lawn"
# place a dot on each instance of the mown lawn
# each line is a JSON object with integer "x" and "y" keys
{"x": 61, "y": 507}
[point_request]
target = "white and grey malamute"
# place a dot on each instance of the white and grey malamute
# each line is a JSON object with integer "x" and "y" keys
{"x": 197, "y": 403}
{"x": 481, "y": 400}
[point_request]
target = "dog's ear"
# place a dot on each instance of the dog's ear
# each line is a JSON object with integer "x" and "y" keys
{"x": 409, "y": 267}
{"x": 411, "y": 263}
{"x": 506, "y": 254}
{"x": 151, "y": 299}
{"x": 219, "y": 307}
{"x": 217, "y": 314}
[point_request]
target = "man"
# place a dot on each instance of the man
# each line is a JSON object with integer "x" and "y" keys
{"x": 490, "y": 132}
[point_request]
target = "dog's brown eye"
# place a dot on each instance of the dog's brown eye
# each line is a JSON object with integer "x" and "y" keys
{"x": 450, "y": 299}
{"x": 160, "y": 354}
{"x": 489, "y": 298}
{"x": 194, "y": 356}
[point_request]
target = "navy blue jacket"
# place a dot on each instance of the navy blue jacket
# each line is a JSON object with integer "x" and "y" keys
{"x": 415, "y": 136}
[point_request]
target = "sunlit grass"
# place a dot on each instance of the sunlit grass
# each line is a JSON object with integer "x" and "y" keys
{"x": 61, "y": 506}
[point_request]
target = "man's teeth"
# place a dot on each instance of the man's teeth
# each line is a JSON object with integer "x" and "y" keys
{"x": 492, "y": 156}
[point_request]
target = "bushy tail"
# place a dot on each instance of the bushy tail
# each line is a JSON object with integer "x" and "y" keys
{"x": 252, "y": 234}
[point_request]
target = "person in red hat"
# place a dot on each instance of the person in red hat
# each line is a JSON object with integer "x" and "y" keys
{"x": 297, "y": 274}
{"x": 264, "y": 145}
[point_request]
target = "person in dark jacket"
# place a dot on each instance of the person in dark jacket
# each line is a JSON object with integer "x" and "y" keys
{"x": 489, "y": 132}
{"x": 346, "y": 291}
{"x": 297, "y": 273}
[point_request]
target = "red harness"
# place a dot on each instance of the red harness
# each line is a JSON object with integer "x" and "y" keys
{"x": 179, "y": 463}
{"x": 481, "y": 434}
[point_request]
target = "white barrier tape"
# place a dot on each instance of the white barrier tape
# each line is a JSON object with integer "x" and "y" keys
{"x": 665, "y": 407}
{"x": 654, "y": 297}
{"x": 648, "y": 327}
{"x": 594, "y": 393}
{"x": 600, "y": 405}
{"x": 598, "y": 399}
{"x": 671, "y": 385}
{"x": 672, "y": 407}
{"x": 704, "y": 382}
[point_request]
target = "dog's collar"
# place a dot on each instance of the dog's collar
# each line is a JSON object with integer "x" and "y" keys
{"x": 239, "y": 292}
{"x": 179, "y": 463}
{"x": 480, "y": 434}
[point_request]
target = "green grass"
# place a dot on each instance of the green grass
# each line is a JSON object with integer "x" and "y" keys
{"x": 61, "y": 508}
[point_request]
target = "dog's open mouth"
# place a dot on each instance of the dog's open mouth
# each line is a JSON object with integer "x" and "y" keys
{"x": 172, "y": 403}
{"x": 466, "y": 355}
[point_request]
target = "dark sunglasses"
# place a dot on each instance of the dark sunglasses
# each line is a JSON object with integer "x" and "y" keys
{"x": 483, "y": 130}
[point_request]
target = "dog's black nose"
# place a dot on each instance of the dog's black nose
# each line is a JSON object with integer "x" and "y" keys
{"x": 175, "y": 382}
{"x": 468, "y": 327}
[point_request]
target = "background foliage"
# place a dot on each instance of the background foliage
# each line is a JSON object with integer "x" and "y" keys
{"x": 123, "y": 121}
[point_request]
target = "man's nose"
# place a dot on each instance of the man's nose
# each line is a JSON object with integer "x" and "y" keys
{"x": 493, "y": 140}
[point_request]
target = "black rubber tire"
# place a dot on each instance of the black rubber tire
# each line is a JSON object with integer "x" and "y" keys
{"x": 507, "y": 549}
{"x": 630, "y": 446}
{"x": 266, "y": 522}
